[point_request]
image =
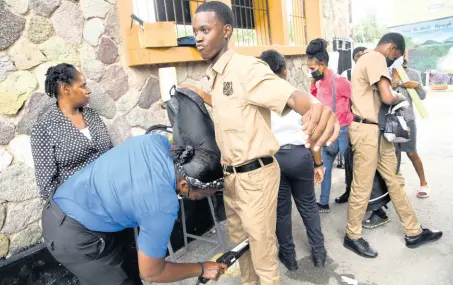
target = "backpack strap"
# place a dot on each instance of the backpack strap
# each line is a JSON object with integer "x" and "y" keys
{"x": 334, "y": 95}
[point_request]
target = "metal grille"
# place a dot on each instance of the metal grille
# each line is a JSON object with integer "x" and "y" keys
{"x": 179, "y": 11}
{"x": 296, "y": 21}
{"x": 252, "y": 22}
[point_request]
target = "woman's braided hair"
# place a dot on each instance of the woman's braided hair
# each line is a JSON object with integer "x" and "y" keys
{"x": 56, "y": 75}
{"x": 200, "y": 167}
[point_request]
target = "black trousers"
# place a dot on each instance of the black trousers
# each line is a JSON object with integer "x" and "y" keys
{"x": 96, "y": 258}
{"x": 297, "y": 178}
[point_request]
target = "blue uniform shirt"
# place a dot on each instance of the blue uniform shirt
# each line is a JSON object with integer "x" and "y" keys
{"x": 131, "y": 185}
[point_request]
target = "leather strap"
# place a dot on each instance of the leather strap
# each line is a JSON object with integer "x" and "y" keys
{"x": 363, "y": 121}
{"x": 249, "y": 166}
{"x": 290, "y": 146}
{"x": 334, "y": 95}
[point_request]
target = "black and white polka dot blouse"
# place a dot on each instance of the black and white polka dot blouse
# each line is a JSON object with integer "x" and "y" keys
{"x": 60, "y": 149}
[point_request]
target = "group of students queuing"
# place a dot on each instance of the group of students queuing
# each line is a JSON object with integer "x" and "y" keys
{"x": 275, "y": 142}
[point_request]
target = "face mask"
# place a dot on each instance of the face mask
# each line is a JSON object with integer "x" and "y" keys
{"x": 317, "y": 75}
{"x": 398, "y": 62}
{"x": 389, "y": 61}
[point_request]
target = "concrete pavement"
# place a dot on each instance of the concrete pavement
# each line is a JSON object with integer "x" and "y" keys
{"x": 396, "y": 264}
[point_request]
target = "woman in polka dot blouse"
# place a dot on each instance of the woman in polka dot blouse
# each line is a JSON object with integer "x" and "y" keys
{"x": 69, "y": 135}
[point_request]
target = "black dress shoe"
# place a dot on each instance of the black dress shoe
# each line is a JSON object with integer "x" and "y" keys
{"x": 360, "y": 246}
{"x": 319, "y": 259}
{"x": 343, "y": 198}
{"x": 290, "y": 263}
{"x": 425, "y": 237}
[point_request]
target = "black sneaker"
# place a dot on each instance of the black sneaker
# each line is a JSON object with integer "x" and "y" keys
{"x": 360, "y": 246}
{"x": 374, "y": 221}
{"x": 323, "y": 208}
{"x": 289, "y": 263}
{"x": 425, "y": 237}
{"x": 343, "y": 198}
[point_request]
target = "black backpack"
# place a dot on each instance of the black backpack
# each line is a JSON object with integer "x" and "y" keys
{"x": 379, "y": 193}
{"x": 190, "y": 120}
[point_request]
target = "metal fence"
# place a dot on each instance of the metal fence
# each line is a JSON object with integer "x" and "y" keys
{"x": 179, "y": 11}
{"x": 252, "y": 27}
{"x": 296, "y": 21}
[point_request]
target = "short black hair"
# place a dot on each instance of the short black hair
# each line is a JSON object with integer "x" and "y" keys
{"x": 318, "y": 49}
{"x": 394, "y": 38}
{"x": 358, "y": 49}
{"x": 275, "y": 60}
{"x": 223, "y": 12}
{"x": 57, "y": 75}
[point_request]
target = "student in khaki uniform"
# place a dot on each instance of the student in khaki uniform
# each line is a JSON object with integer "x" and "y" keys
{"x": 244, "y": 90}
{"x": 371, "y": 87}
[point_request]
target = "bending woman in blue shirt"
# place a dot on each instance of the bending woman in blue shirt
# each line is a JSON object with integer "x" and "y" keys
{"x": 134, "y": 184}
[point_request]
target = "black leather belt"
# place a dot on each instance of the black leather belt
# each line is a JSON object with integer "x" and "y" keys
{"x": 364, "y": 121}
{"x": 291, "y": 146}
{"x": 249, "y": 166}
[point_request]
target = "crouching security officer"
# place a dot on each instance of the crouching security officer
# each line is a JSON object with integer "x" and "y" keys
{"x": 133, "y": 184}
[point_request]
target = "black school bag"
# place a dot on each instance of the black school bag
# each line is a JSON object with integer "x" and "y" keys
{"x": 190, "y": 120}
{"x": 379, "y": 194}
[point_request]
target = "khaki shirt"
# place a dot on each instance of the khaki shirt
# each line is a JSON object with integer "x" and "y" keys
{"x": 366, "y": 100}
{"x": 244, "y": 90}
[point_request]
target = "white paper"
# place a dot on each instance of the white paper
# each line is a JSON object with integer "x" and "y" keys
{"x": 349, "y": 281}
{"x": 167, "y": 79}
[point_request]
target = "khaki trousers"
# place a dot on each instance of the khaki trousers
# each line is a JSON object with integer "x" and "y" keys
{"x": 251, "y": 208}
{"x": 364, "y": 139}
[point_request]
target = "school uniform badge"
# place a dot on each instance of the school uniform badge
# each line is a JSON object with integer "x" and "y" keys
{"x": 227, "y": 88}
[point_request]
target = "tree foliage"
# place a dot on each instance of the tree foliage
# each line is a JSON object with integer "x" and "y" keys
{"x": 368, "y": 30}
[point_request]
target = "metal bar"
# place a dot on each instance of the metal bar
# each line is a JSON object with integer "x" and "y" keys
{"x": 176, "y": 17}
{"x": 156, "y": 11}
{"x": 297, "y": 24}
{"x": 246, "y": 22}
{"x": 303, "y": 9}
{"x": 264, "y": 12}
{"x": 242, "y": 24}
{"x": 165, "y": 8}
{"x": 263, "y": 21}
{"x": 216, "y": 224}
{"x": 252, "y": 30}
{"x": 183, "y": 217}
{"x": 184, "y": 16}
{"x": 210, "y": 240}
{"x": 268, "y": 23}
{"x": 170, "y": 250}
{"x": 295, "y": 27}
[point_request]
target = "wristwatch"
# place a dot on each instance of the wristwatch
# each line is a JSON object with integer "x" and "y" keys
{"x": 318, "y": 165}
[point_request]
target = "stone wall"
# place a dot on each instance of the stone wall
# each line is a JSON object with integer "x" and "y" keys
{"x": 37, "y": 34}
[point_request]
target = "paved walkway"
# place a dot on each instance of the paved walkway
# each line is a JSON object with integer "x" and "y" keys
{"x": 396, "y": 264}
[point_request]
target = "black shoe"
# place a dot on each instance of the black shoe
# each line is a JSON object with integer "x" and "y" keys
{"x": 360, "y": 246}
{"x": 319, "y": 259}
{"x": 425, "y": 237}
{"x": 343, "y": 198}
{"x": 323, "y": 208}
{"x": 291, "y": 264}
{"x": 374, "y": 221}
